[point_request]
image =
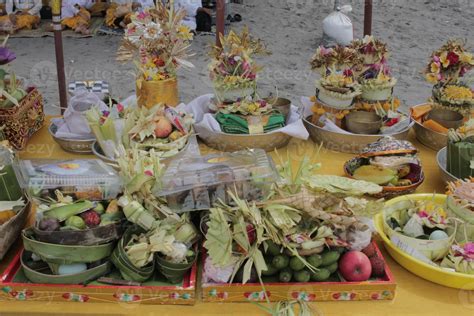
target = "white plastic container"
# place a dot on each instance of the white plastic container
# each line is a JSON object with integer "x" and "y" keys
{"x": 196, "y": 183}
{"x": 89, "y": 179}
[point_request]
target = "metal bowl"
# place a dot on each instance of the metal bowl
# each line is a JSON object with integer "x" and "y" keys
{"x": 282, "y": 105}
{"x": 346, "y": 143}
{"x": 429, "y": 138}
{"x": 96, "y": 150}
{"x": 83, "y": 147}
{"x": 447, "y": 118}
{"x": 235, "y": 142}
{"x": 362, "y": 122}
{"x": 442, "y": 158}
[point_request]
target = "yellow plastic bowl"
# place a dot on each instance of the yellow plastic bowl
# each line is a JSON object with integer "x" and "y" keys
{"x": 415, "y": 266}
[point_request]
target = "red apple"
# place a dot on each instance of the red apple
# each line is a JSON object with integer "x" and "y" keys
{"x": 355, "y": 266}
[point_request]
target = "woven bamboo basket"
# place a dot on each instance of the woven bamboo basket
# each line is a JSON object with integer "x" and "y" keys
{"x": 21, "y": 122}
{"x": 10, "y": 231}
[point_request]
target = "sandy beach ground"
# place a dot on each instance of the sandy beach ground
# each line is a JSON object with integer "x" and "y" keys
{"x": 292, "y": 30}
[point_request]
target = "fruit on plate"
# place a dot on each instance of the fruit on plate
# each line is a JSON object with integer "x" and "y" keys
{"x": 285, "y": 275}
{"x": 370, "y": 251}
{"x": 376, "y": 174}
{"x": 281, "y": 261}
{"x": 387, "y": 162}
{"x": 78, "y": 215}
{"x": 75, "y": 222}
{"x": 91, "y": 218}
{"x": 49, "y": 224}
{"x": 321, "y": 275}
{"x": 163, "y": 127}
{"x": 296, "y": 264}
{"x": 378, "y": 266}
{"x": 329, "y": 257}
{"x": 315, "y": 260}
{"x": 302, "y": 276}
{"x": 355, "y": 266}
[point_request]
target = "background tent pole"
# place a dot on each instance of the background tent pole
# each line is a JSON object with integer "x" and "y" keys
{"x": 368, "y": 17}
{"x": 220, "y": 20}
{"x": 58, "y": 46}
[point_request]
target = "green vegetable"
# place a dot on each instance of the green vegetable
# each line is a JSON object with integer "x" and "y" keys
{"x": 296, "y": 264}
{"x": 62, "y": 213}
{"x": 111, "y": 218}
{"x": 332, "y": 267}
{"x": 302, "y": 276}
{"x": 329, "y": 258}
{"x": 99, "y": 209}
{"x": 272, "y": 248}
{"x": 315, "y": 260}
{"x": 341, "y": 250}
{"x": 76, "y": 222}
{"x": 280, "y": 261}
{"x": 321, "y": 275}
{"x": 285, "y": 275}
{"x": 271, "y": 270}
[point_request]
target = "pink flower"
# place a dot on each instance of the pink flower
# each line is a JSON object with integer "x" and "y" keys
{"x": 469, "y": 248}
{"x": 324, "y": 51}
{"x": 463, "y": 71}
{"x": 263, "y": 103}
{"x": 246, "y": 66}
{"x": 436, "y": 59}
{"x": 149, "y": 173}
{"x": 142, "y": 15}
{"x": 120, "y": 107}
{"x": 423, "y": 214}
{"x": 453, "y": 58}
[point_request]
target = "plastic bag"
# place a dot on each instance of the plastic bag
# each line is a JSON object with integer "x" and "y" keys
{"x": 337, "y": 27}
{"x": 82, "y": 101}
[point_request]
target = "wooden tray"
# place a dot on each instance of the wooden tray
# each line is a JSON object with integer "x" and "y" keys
{"x": 380, "y": 289}
{"x": 15, "y": 287}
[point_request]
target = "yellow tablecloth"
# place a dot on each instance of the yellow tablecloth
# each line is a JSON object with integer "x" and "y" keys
{"x": 414, "y": 296}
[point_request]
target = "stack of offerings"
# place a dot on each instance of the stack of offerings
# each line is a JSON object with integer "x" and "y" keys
{"x": 78, "y": 220}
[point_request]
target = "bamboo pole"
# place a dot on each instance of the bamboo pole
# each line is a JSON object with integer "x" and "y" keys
{"x": 368, "y": 17}
{"x": 220, "y": 21}
{"x": 58, "y": 46}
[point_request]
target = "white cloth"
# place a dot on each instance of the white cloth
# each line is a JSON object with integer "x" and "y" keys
{"x": 191, "y": 7}
{"x": 32, "y": 6}
{"x": 68, "y": 9}
{"x": 206, "y": 123}
{"x": 146, "y": 3}
{"x": 74, "y": 125}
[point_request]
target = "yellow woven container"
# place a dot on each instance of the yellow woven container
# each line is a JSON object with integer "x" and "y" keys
{"x": 151, "y": 93}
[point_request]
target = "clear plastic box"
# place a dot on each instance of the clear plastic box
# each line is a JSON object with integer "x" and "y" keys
{"x": 89, "y": 179}
{"x": 196, "y": 183}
